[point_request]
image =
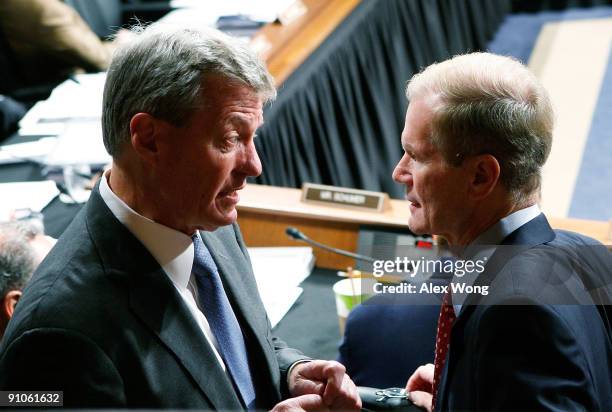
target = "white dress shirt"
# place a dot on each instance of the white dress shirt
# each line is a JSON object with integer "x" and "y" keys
{"x": 172, "y": 249}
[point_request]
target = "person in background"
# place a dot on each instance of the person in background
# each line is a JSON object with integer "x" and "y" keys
{"x": 22, "y": 247}
{"x": 50, "y": 40}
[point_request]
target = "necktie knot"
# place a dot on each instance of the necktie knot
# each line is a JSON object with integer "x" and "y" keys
{"x": 203, "y": 263}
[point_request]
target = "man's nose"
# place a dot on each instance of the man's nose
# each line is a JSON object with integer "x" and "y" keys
{"x": 252, "y": 163}
{"x": 401, "y": 174}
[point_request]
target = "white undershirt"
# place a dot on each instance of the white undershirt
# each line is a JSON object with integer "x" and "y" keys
{"x": 172, "y": 249}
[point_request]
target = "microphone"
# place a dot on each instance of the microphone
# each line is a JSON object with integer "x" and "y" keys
{"x": 299, "y": 236}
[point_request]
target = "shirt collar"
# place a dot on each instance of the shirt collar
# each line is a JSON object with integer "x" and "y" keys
{"x": 172, "y": 249}
{"x": 499, "y": 231}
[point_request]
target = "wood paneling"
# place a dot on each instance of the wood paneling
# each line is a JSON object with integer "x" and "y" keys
{"x": 285, "y": 47}
{"x": 269, "y": 230}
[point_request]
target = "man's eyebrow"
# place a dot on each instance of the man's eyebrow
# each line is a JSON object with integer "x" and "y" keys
{"x": 241, "y": 119}
{"x": 236, "y": 118}
{"x": 407, "y": 147}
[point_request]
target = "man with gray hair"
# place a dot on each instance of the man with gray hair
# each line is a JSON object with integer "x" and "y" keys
{"x": 478, "y": 130}
{"x": 149, "y": 300}
{"x": 22, "y": 247}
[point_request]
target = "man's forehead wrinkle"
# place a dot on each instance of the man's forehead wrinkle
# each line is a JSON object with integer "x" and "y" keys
{"x": 242, "y": 119}
{"x": 241, "y": 115}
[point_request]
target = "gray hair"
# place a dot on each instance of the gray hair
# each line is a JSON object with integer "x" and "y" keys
{"x": 162, "y": 72}
{"x": 490, "y": 104}
{"x": 17, "y": 256}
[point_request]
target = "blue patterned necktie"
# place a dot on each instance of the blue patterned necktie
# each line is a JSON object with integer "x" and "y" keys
{"x": 222, "y": 320}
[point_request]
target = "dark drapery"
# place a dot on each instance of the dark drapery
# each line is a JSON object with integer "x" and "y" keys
{"x": 339, "y": 116}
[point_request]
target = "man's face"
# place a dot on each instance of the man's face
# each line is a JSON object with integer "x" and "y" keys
{"x": 204, "y": 164}
{"x": 435, "y": 189}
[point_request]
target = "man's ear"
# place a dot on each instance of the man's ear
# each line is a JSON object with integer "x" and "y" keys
{"x": 9, "y": 303}
{"x": 485, "y": 175}
{"x": 145, "y": 132}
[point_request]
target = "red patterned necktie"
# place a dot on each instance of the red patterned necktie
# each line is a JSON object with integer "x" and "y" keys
{"x": 445, "y": 323}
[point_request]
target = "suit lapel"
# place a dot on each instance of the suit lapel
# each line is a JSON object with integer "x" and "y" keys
{"x": 158, "y": 305}
{"x": 156, "y": 302}
{"x": 232, "y": 269}
{"x": 535, "y": 232}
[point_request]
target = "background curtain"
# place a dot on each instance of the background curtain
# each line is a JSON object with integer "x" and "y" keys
{"x": 339, "y": 116}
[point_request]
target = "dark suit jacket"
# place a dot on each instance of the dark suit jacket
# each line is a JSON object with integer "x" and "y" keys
{"x": 536, "y": 341}
{"x": 101, "y": 321}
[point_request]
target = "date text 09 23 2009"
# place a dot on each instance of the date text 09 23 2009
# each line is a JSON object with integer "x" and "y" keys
{"x": 31, "y": 398}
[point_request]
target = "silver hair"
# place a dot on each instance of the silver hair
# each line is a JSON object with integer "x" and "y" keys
{"x": 489, "y": 104}
{"x": 163, "y": 71}
{"x": 17, "y": 256}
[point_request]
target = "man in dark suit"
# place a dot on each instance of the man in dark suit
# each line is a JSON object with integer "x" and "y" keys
{"x": 533, "y": 333}
{"x": 148, "y": 299}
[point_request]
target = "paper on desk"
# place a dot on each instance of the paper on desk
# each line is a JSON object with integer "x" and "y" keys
{"x": 278, "y": 272}
{"x": 282, "y": 265}
{"x": 81, "y": 143}
{"x": 30, "y": 124}
{"x": 190, "y": 18}
{"x": 78, "y": 99}
{"x": 25, "y": 195}
{"x": 277, "y": 306}
{"x": 35, "y": 151}
{"x": 210, "y": 10}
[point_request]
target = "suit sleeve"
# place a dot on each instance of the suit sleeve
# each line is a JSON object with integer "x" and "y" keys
{"x": 285, "y": 355}
{"x": 62, "y": 360}
{"x": 528, "y": 359}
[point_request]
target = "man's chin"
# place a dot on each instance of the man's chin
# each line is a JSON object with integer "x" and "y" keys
{"x": 220, "y": 218}
{"x": 227, "y": 216}
{"x": 417, "y": 228}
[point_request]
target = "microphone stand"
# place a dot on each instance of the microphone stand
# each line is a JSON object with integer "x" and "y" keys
{"x": 299, "y": 236}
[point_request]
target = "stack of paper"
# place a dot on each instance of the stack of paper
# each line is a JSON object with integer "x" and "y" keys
{"x": 80, "y": 144}
{"x": 72, "y": 113}
{"x": 25, "y": 195}
{"x": 77, "y": 99}
{"x": 36, "y": 151}
{"x": 210, "y": 10}
{"x": 279, "y": 272}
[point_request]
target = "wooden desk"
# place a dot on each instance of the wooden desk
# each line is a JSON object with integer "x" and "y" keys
{"x": 285, "y": 47}
{"x": 598, "y": 230}
{"x": 264, "y": 212}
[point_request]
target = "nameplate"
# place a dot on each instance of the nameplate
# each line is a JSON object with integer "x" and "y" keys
{"x": 344, "y": 197}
